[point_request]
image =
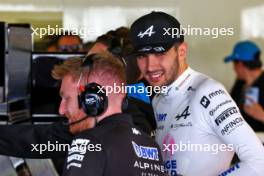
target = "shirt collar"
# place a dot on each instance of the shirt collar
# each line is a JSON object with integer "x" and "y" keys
{"x": 116, "y": 117}
{"x": 179, "y": 83}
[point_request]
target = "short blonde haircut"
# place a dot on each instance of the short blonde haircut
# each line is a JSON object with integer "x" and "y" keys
{"x": 105, "y": 65}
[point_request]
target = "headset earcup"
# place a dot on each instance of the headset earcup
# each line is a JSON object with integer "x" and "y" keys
{"x": 92, "y": 101}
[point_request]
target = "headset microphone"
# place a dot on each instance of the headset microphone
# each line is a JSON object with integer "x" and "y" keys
{"x": 91, "y": 99}
{"x": 77, "y": 121}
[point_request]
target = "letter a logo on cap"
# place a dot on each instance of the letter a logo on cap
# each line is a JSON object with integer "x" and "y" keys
{"x": 148, "y": 32}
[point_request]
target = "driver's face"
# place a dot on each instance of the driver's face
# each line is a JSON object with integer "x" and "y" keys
{"x": 159, "y": 69}
{"x": 69, "y": 105}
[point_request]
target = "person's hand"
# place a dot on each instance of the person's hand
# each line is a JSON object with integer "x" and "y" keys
{"x": 255, "y": 110}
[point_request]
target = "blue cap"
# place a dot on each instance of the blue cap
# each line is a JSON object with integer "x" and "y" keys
{"x": 243, "y": 51}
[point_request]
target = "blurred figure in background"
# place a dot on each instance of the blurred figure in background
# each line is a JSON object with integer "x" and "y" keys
{"x": 52, "y": 44}
{"x": 69, "y": 43}
{"x": 248, "y": 90}
{"x": 66, "y": 42}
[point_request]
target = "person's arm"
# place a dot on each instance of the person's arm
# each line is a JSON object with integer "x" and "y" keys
{"x": 141, "y": 118}
{"x": 86, "y": 157}
{"x": 26, "y": 140}
{"x": 255, "y": 110}
{"x": 231, "y": 128}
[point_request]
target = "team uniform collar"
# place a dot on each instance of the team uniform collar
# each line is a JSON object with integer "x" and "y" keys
{"x": 116, "y": 118}
{"x": 179, "y": 83}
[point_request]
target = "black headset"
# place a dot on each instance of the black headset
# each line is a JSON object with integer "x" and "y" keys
{"x": 92, "y": 97}
{"x": 116, "y": 46}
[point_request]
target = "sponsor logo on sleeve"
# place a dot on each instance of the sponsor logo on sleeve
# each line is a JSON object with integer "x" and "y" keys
{"x": 212, "y": 112}
{"x": 216, "y": 93}
{"x": 205, "y": 102}
{"x": 224, "y": 115}
{"x": 232, "y": 125}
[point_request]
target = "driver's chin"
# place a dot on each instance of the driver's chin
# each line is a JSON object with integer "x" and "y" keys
{"x": 158, "y": 83}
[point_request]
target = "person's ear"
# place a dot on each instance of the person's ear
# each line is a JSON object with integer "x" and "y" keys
{"x": 182, "y": 50}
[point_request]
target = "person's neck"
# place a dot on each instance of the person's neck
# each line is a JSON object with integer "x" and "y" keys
{"x": 182, "y": 68}
{"x": 251, "y": 76}
{"x": 109, "y": 112}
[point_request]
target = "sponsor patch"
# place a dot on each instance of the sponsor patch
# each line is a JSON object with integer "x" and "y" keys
{"x": 205, "y": 102}
{"x": 224, "y": 115}
{"x": 231, "y": 126}
{"x": 150, "y": 153}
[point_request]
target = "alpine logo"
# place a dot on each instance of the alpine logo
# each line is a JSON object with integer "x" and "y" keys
{"x": 205, "y": 102}
{"x": 190, "y": 89}
{"x": 150, "y": 153}
{"x": 224, "y": 115}
{"x": 184, "y": 114}
{"x": 148, "y": 32}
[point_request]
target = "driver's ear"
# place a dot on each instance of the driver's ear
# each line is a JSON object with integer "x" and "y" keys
{"x": 182, "y": 50}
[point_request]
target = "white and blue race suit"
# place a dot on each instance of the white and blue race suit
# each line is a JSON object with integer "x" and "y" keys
{"x": 199, "y": 128}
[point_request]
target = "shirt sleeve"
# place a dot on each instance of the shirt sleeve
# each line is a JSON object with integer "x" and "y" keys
{"x": 29, "y": 141}
{"x": 224, "y": 118}
{"x": 85, "y": 157}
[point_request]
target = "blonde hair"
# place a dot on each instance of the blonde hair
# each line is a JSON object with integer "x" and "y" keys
{"x": 105, "y": 65}
{"x": 71, "y": 66}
